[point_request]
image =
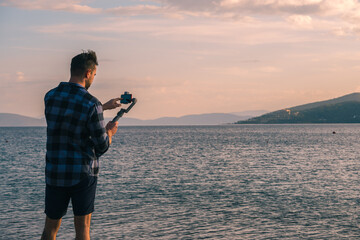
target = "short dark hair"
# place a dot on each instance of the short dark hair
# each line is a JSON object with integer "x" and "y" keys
{"x": 82, "y": 62}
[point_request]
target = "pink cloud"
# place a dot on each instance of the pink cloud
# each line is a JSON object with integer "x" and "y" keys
{"x": 54, "y": 5}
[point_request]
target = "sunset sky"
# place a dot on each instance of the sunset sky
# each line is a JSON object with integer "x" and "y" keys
{"x": 182, "y": 57}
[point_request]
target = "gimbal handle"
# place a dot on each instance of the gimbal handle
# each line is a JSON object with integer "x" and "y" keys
{"x": 123, "y": 110}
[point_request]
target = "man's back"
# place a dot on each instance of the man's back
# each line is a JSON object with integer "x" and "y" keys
{"x": 76, "y": 134}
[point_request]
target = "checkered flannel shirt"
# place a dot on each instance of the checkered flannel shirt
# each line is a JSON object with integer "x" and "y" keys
{"x": 76, "y": 135}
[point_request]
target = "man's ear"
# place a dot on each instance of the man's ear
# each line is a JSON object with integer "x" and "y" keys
{"x": 88, "y": 73}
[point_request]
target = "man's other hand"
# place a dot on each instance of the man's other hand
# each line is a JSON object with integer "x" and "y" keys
{"x": 111, "y": 129}
{"x": 111, "y": 104}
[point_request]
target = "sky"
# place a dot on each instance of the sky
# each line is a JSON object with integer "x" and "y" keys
{"x": 181, "y": 57}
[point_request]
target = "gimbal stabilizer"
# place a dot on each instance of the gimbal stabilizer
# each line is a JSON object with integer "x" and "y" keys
{"x": 122, "y": 111}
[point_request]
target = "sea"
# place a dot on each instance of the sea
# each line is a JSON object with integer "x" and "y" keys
{"x": 199, "y": 182}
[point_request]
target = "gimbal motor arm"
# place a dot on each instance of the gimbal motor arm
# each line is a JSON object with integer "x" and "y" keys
{"x": 123, "y": 110}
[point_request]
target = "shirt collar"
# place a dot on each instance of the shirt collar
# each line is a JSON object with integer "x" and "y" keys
{"x": 71, "y": 84}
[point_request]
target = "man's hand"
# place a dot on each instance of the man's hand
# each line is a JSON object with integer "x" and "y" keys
{"x": 111, "y": 104}
{"x": 111, "y": 129}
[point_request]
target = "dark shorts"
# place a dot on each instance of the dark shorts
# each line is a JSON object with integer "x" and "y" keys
{"x": 82, "y": 197}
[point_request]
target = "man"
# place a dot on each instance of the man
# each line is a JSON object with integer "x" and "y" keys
{"x": 76, "y": 138}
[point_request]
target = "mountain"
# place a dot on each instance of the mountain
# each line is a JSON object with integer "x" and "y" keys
{"x": 16, "y": 120}
{"x": 198, "y": 119}
{"x": 345, "y": 109}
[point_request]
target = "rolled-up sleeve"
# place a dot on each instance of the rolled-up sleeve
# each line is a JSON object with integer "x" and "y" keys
{"x": 96, "y": 126}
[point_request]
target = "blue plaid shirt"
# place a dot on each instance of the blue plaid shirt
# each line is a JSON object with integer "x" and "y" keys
{"x": 76, "y": 135}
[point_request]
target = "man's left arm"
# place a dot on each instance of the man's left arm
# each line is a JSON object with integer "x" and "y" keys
{"x": 111, "y": 104}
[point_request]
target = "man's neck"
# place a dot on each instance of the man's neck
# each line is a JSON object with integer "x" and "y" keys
{"x": 77, "y": 80}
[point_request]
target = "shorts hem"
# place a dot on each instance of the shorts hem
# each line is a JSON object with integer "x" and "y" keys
{"x": 79, "y": 215}
{"x": 54, "y": 218}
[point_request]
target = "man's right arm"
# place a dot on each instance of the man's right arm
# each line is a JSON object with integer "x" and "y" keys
{"x": 98, "y": 132}
{"x": 111, "y": 129}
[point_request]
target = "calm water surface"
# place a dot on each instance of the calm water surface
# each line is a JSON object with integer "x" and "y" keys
{"x": 199, "y": 182}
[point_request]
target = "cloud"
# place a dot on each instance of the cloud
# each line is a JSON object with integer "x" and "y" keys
{"x": 248, "y": 71}
{"x": 251, "y": 32}
{"x": 342, "y": 31}
{"x": 5, "y": 77}
{"x": 299, "y": 13}
{"x": 300, "y": 21}
{"x": 137, "y": 10}
{"x": 20, "y": 77}
{"x": 271, "y": 7}
{"x": 54, "y": 5}
{"x": 344, "y": 15}
{"x": 348, "y": 9}
{"x": 270, "y": 69}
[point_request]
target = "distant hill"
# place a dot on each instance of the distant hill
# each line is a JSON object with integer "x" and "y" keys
{"x": 198, "y": 119}
{"x": 345, "y": 109}
{"x": 15, "y": 120}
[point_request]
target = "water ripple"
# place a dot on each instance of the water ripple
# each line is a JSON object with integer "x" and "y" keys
{"x": 213, "y": 182}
